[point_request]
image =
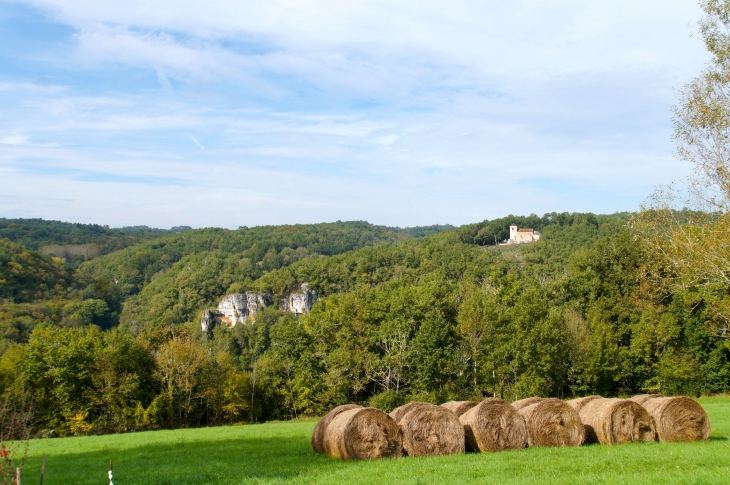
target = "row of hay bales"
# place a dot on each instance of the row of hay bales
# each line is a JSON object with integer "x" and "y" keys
{"x": 421, "y": 429}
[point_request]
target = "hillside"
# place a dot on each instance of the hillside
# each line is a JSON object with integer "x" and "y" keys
{"x": 73, "y": 241}
{"x": 265, "y": 248}
{"x": 178, "y": 294}
{"x": 38, "y": 288}
{"x": 436, "y": 318}
{"x": 35, "y": 289}
{"x": 26, "y": 275}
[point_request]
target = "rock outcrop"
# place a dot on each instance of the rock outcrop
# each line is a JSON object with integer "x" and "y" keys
{"x": 237, "y": 307}
{"x": 208, "y": 321}
{"x": 299, "y": 301}
{"x": 234, "y": 309}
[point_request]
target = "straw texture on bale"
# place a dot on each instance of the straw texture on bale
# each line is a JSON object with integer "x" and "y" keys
{"x": 459, "y": 407}
{"x": 642, "y": 398}
{"x": 430, "y": 430}
{"x": 401, "y": 411}
{"x": 523, "y": 403}
{"x": 616, "y": 421}
{"x": 319, "y": 430}
{"x": 551, "y": 422}
{"x": 363, "y": 434}
{"x": 578, "y": 404}
{"x": 494, "y": 425}
{"x": 678, "y": 419}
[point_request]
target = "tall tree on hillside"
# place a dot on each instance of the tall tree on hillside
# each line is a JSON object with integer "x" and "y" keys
{"x": 692, "y": 245}
{"x": 180, "y": 362}
{"x": 475, "y": 328}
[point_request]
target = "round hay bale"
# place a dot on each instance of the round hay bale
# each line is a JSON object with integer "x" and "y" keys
{"x": 363, "y": 434}
{"x": 401, "y": 411}
{"x": 616, "y": 421}
{"x": 459, "y": 407}
{"x": 678, "y": 419}
{"x": 523, "y": 403}
{"x": 319, "y": 430}
{"x": 642, "y": 398}
{"x": 551, "y": 422}
{"x": 430, "y": 430}
{"x": 494, "y": 425}
{"x": 577, "y": 404}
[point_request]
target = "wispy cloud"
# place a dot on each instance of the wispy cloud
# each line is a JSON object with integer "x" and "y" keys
{"x": 195, "y": 140}
{"x": 13, "y": 140}
{"x": 399, "y": 113}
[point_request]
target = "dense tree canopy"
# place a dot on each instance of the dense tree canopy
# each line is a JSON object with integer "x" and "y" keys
{"x": 26, "y": 275}
{"x": 437, "y": 318}
{"x": 272, "y": 246}
{"x": 55, "y": 236}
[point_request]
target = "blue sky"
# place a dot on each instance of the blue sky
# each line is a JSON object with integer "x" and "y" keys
{"x": 222, "y": 113}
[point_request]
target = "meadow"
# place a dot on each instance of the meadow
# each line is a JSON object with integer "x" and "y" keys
{"x": 279, "y": 452}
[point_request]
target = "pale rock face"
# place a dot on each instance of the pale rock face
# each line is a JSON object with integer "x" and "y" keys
{"x": 237, "y": 307}
{"x": 300, "y": 301}
{"x": 233, "y": 309}
{"x": 208, "y": 321}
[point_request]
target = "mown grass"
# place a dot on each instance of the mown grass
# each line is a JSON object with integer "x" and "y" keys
{"x": 280, "y": 453}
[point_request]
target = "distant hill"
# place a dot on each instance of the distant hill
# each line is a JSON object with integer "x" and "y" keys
{"x": 191, "y": 267}
{"x": 76, "y": 242}
{"x": 422, "y": 231}
{"x": 256, "y": 250}
{"x": 493, "y": 232}
{"x": 26, "y": 275}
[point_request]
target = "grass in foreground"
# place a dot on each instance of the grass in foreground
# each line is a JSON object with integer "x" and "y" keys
{"x": 280, "y": 453}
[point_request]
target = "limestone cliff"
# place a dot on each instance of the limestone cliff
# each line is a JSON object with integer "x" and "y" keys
{"x": 299, "y": 301}
{"x": 233, "y": 309}
{"x": 239, "y": 307}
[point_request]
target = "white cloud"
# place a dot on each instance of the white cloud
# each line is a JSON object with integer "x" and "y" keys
{"x": 13, "y": 140}
{"x": 387, "y": 139}
{"x": 402, "y": 113}
{"x": 510, "y": 40}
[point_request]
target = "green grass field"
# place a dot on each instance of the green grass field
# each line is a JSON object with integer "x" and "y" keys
{"x": 280, "y": 453}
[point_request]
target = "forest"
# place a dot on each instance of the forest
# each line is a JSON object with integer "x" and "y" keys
{"x": 114, "y": 344}
{"x": 76, "y": 242}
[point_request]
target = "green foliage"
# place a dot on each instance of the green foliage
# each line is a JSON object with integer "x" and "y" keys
{"x": 492, "y": 232}
{"x": 497, "y": 230}
{"x": 17, "y": 321}
{"x": 441, "y": 253}
{"x": 59, "y": 369}
{"x": 265, "y": 248}
{"x": 196, "y": 282}
{"x": 422, "y": 231}
{"x": 388, "y": 400}
{"x": 41, "y": 234}
{"x": 26, "y": 275}
{"x": 35, "y": 289}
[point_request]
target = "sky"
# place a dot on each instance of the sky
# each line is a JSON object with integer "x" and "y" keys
{"x": 415, "y": 112}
